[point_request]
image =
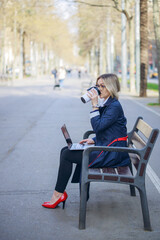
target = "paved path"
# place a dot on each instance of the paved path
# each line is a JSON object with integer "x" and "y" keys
{"x": 31, "y": 115}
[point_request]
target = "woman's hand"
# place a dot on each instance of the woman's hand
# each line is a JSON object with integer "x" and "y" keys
{"x": 88, "y": 141}
{"x": 93, "y": 95}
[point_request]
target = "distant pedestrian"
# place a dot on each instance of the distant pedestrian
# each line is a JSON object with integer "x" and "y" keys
{"x": 79, "y": 73}
{"x": 54, "y": 73}
{"x": 61, "y": 76}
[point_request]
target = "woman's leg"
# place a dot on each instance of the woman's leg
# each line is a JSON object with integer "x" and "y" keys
{"x": 67, "y": 158}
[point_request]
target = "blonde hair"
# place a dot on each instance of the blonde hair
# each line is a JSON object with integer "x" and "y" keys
{"x": 111, "y": 82}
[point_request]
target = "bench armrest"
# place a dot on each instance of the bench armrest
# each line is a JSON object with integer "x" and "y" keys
{"x": 87, "y": 151}
{"x": 86, "y": 134}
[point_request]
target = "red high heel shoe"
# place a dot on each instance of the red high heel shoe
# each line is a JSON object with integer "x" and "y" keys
{"x": 61, "y": 199}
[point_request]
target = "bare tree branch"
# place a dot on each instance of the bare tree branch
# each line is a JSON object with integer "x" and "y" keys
{"x": 91, "y": 4}
{"x": 116, "y": 6}
{"x": 116, "y": 3}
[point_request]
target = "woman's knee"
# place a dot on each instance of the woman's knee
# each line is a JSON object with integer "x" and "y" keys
{"x": 65, "y": 152}
{"x": 71, "y": 156}
{"x": 63, "y": 149}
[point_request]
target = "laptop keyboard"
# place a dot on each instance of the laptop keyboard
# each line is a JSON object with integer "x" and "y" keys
{"x": 77, "y": 146}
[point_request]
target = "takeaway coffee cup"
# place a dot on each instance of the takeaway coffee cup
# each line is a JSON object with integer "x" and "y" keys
{"x": 85, "y": 97}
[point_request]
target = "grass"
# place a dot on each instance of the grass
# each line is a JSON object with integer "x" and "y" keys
{"x": 153, "y": 104}
{"x": 152, "y": 86}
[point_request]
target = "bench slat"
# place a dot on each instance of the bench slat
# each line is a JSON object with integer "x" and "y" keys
{"x": 137, "y": 141}
{"x": 135, "y": 159}
{"x": 144, "y": 128}
{"x": 124, "y": 171}
{"x": 109, "y": 170}
{"x": 94, "y": 173}
{"x": 94, "y": 170}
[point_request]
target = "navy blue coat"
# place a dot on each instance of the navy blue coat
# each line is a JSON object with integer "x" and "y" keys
{"x": 108, "y": 123}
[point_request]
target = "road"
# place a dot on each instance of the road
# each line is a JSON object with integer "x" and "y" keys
{"x": 31, "y": 115}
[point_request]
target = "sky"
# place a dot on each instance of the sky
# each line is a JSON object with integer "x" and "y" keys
{"x": 65, "y": 8}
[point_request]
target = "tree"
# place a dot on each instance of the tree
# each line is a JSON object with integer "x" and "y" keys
{"x": 93, "y": 35}
{"x": 143, "y": 36}
{"x": 143, "y": 47}
{"x": 32, "y": 29}
{"x": 128, "y": 12}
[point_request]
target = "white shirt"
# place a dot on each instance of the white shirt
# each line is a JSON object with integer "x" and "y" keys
{"x": 102, "y": 103}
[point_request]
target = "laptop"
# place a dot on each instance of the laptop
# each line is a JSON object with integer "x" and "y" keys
{"x": 73, "y": 146}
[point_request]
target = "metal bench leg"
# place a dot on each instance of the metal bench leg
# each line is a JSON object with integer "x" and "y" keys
{"x": 88, "y": 189}
{"x": 132, "y": 191}
{"x": 145, "y": 210}
{"x": 83, "y": 203}
{"x": 132, "y": 188}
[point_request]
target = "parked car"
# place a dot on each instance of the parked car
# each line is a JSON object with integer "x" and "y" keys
{"x": 154, "y": 74}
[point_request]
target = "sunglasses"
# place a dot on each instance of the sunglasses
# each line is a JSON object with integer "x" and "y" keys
{"x": 102, "y": 86}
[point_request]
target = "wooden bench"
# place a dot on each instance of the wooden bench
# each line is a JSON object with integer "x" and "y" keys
{"x": 141, "y": 141}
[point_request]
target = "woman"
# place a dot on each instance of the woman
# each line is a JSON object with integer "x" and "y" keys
{"x": 109, "y": 124}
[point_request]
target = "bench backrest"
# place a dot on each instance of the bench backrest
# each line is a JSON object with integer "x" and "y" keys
{"x": 143, "y": 138}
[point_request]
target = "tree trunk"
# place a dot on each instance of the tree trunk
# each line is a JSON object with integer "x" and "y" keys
{"x": 96, "y": 63}
{"x": 14, "y": 46}
{"x": 124, "y": 47}
{"x": 24, "y": 54}
{"x": 104, "y": 53}
{"x": 132, "y": 57}
{"x": 108, "y": 45}
{"x": 32, "y": 57}
{"x": 143, "y": 47}
{"x": 46, "y": 63}
{"x": 156, "y": 20}
{"x": 92, "y": 59}
{"x": 3, "y": 48}
{"x": 101, "y": 54}
{"x": 98, "y": 58}
{"x": 21, "y": 55}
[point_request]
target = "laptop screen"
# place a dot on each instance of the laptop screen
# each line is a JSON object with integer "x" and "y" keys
{"x": 66, "y": 134}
